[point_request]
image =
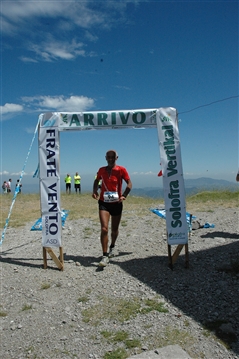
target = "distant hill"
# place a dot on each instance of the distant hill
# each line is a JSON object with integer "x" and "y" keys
{"x": 192, "y": 186}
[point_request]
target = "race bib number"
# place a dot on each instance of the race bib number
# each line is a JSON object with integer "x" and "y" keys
{"x": 111, "y": 197}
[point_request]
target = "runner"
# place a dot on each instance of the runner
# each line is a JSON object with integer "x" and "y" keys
{"x": 110, "y": 201}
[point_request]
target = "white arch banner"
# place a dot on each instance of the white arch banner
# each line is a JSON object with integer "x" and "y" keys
{"x": 165, "y": 119}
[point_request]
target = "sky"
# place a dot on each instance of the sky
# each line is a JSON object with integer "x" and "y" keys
{"x": 74, "y": 56}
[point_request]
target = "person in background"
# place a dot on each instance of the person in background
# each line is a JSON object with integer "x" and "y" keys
{"x": 5, "y": 187}
{"x": 68, "y": 183}
{"x": 110, "y": 201}
{"x": 77, "y": 179}
{"x": 9, "y": 190}
{"x": 99, "y": 184}
{"x": 237, "y": 176}
{"x": 19, "y": 186}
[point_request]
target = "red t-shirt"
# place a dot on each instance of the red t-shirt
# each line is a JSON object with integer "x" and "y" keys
{"x": 112, "y": 182}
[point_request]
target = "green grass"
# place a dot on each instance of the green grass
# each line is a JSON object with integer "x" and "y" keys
{"x": 170, "y": 336}
{"x": 215, "y": 196}
{"x": 87, "y": 232}
{"x": 174, "y": 336}
{"x": 106, "y": 334}
{"x": 26, "y": 307}
{"x": 45, "y": 286}
{"x": 3, "y": 314}
{"x": 27, "y": 206}
{"x": 114, "y": 309}
{"x": 153, "y": 304}
{"x": 83, "y": 299}
{"x": 121, "y": 337}
{"x": 208, "y": 200}
{"x": 132, "y": 343}
{"x": 119, "y": 353}
{"x": 120, "y": 309}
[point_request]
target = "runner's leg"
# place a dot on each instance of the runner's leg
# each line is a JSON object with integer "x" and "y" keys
{"x": 104, "y": 222}
{"x": 115, "y": 221}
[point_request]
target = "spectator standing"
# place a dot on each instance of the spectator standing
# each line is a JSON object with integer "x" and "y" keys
{"x": 77, "y": 179}
{"x": 18, "y": 186}
{"x": 5, "y": 187}
{"x": 68, "y": 183}
{"x": 100, "y": 183}
{"x": 237, "y": 176}
{"x": 110, "y": 201}
{"x": 9, "y": 189}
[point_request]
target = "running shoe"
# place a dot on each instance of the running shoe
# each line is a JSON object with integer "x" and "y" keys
{"x": 104, "y": 261}
{"x": 112, "y": 252}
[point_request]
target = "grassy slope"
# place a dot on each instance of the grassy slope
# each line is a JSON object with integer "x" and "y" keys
{"x": 27, "y": 206}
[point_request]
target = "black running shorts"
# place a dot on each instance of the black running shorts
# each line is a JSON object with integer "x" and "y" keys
{"x": 114, "y": 209}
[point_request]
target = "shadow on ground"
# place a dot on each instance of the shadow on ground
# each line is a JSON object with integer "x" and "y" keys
{"x": 208, "y": 291}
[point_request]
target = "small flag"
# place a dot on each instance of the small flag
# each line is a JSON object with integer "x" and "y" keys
{"x": 160, "y": 173}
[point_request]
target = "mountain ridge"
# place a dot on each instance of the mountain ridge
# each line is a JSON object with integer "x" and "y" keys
{"x": 192, "y": 186}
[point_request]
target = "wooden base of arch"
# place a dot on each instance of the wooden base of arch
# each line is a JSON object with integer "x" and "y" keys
{"x": 59, "y": 261}
{"x": 172, "y": 258}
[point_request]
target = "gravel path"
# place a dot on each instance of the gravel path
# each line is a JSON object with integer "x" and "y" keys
{"x": 84, "y": 312}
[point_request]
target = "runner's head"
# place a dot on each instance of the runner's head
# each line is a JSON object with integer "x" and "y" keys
{"x": 111, "y": 157}
{"x": 112, "y": 153}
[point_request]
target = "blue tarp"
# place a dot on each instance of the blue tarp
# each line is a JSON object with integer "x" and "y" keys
{"x": 161, "y": 213}
{"x": 38, "y": 224}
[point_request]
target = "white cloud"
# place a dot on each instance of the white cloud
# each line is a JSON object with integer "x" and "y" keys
{"x": 149, "y": 173}
{"x": 51, "y": 49}
{"x": 43, "y": 26}
{"x": 27, "y": 59}
{"x": 122, "y": 87}
{"x": 4, "y": 173}
{"x": 60, "y": 103}
{"x": 16, "y": 173}
{"x": 90, "y": 36}
{"x": 10, "y": 108}
{"x": 47, "y": 103}
{"x": 20, "y": 16}
{"x": 30, "y": 130}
